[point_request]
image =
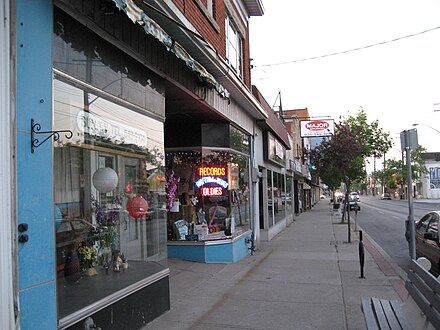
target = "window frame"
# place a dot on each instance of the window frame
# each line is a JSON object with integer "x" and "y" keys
{"x": 235, "y": 41}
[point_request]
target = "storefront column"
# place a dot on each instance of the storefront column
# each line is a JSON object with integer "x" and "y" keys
{"x": 36, "y": 268}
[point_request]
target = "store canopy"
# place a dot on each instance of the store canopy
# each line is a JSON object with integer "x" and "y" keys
{"x": 306, "y": 186}
{"x": 137, "y": 15}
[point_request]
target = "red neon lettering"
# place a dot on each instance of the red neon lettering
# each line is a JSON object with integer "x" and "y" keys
{"x": 211, "y": 191}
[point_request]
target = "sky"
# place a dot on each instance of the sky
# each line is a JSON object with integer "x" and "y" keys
{"x": 396, "y": 82}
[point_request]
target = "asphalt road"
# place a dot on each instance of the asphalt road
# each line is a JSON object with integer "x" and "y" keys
{"x": 384, "y": 221}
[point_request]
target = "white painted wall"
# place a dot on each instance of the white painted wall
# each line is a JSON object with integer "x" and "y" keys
{"x": 7, "y": 261}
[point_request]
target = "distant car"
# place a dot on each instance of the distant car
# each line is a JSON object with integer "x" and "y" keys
{"x": 355, "y": 194}
{"x": 427, "y": 240}
{"x": 353, "y": 203}
{"x": 386, "y": 196}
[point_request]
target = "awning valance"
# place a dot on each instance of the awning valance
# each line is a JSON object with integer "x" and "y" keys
{"x": 306, "y": 186}
{"x": 137, "y": 15}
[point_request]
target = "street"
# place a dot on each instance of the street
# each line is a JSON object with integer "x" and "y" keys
{"x": 384, "y": 221}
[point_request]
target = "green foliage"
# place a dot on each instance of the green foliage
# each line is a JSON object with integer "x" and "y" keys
{"x": 375, "y": 141}
{"x": 396, "y": 171}
{"x": 342, "y": 159}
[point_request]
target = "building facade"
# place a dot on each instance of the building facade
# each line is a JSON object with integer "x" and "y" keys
{"x": 105, "y": 103}
{"x": 428, "y": 186}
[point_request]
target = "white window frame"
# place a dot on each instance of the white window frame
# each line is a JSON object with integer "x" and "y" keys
{"x": 234, "y": 47}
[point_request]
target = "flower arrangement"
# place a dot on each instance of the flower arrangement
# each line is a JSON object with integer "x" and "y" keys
{"x": 108, "y": 217}
{"x": 88, "y": 256}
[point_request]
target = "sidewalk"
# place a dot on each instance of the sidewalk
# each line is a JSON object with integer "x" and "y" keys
{"x": 308, "y": 277}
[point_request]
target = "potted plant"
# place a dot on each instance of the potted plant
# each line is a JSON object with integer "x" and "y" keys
{"x": 88, "y": 256}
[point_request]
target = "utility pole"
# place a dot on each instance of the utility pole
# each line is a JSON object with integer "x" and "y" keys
{"x": 408, "y": 140}
{"x": 383, "y": 177}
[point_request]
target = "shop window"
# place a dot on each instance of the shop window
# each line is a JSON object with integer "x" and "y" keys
{"x": 239, "y": 141}
{"x": 288, "y": 197}
{"x": 109, "y": 198}
{"x": 276, "y": 195}
{"x": 82, "y": 54}
{"x": 279, "y": 195}
{"x": 207, "y": 194}
{"x": 234, "y": 45}
{"x": 272, "y": 205}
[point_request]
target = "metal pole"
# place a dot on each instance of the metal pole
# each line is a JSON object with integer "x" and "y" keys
{"x": 412, "y": 229}
{"x": 402, "y": 186}
{"x": 361, "y": 254}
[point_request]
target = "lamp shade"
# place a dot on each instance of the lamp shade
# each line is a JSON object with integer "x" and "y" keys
{"x": 105, "y": 179}
{"x": 137, "y": 207}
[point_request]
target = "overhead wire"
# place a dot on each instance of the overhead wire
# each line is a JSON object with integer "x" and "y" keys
{"x": 348, "y": 50}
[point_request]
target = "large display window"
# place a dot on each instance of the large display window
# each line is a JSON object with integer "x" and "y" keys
{"x": 277, "y": 197}
{"x": 207, "y": 193}
{"x": 109, "y": 198}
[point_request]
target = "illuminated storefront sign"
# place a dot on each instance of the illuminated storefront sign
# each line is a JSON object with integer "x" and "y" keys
{"x": 212, "y": 177}
{"x": 212, "y": 171}
{"x": 211, "y": 191}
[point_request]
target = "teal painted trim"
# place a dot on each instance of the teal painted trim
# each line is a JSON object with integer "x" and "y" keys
{"x": 188, "y": 252}
{"x": 36, "y": 258}
{"x": 227, "y": 251}
{"x": 241, "y": 249}
{"x": 42, "y": 311}
{"x": 219, "y": 253}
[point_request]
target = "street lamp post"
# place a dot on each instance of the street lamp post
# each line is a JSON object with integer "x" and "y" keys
{"x": 427, "y": 126}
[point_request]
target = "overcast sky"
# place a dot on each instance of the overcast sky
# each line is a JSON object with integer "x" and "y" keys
{"x": 396, "y": 82}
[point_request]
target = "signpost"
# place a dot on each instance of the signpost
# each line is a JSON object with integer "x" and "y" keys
{"x": 409, "y": 141}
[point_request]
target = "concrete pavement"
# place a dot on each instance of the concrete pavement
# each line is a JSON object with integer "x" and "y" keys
{"x": 308, "y": 277}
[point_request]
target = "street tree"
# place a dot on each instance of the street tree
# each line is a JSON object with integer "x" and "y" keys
{"x": 345, "y": 153}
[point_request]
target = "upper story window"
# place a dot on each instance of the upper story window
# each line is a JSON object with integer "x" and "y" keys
{"x": 234, "y": 52}
{"x": 208, "y": 8}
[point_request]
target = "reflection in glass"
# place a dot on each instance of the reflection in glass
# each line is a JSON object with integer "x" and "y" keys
{"x": 109, "y": 195}
{"x": 207, "y": 187}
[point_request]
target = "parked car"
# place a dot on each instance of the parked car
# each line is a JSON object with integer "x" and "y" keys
{"x": 353, "y": 203}
{"x": 427, "y": 240}
{"x": 385, "y": 196}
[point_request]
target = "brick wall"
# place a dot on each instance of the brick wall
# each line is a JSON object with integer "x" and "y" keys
{"x": 215, "y": 35}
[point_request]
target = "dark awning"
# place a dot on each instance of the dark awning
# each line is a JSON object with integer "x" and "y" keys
{"x": 137, "y": 15}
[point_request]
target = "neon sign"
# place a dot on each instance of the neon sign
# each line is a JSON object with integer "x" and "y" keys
{"x": 210, "y": 179}
{"x": 212, "y": 171}
{"x": 211, "y": 191}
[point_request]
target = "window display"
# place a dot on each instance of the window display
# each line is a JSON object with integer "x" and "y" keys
{"x": 207, "y": 194}
{"x": 109, "y": 197}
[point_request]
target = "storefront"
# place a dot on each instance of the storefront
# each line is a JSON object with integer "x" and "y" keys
{"x": 108, "y": 183}
{"x": 208, "y": 193}
{"x": 95, "y": 89}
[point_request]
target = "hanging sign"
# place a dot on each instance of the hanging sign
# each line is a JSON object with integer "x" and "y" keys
{"x": 317, "y": 128}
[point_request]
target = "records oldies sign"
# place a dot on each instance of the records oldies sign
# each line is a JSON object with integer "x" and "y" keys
{"x": 211, "y": 181}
